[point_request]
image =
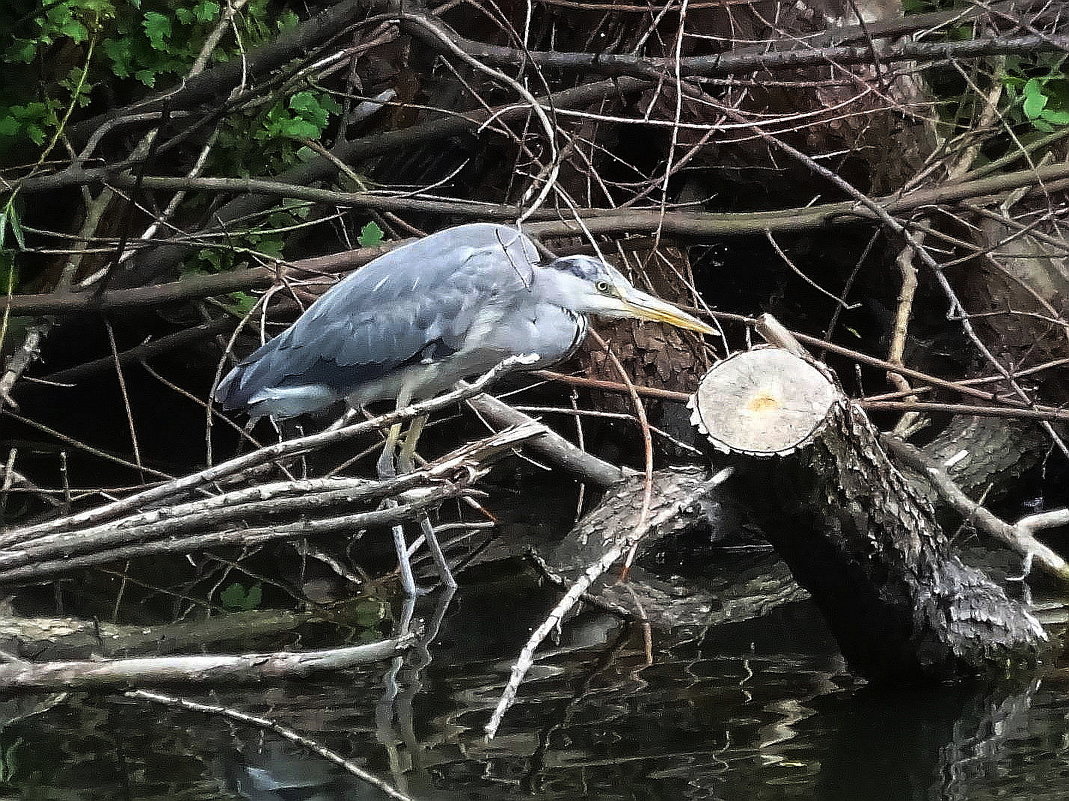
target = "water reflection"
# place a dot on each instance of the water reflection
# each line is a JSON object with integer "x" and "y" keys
{"x": 939, "y": 743}
{"x": 267, "y": 770}
{"x": 758, "y": 710}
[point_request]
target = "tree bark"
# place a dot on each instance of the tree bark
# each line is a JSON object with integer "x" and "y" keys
{"x": 858, "y": 536}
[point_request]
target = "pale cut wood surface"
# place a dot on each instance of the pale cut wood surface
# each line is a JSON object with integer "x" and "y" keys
{"x": 763, "y": 402}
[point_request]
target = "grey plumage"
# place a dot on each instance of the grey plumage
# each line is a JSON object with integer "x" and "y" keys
{"x": 417, "y": 319}
{"x": 408, "y": 308}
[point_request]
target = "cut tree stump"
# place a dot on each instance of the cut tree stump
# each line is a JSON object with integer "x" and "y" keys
{"x": 764, "y": 402}
{"x": 866, "y": 545}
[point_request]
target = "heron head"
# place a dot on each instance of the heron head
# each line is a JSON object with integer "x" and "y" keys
{"x": 594, "y": 287}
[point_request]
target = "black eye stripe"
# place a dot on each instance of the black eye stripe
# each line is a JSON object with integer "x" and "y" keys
{"x": 580, "y": 266}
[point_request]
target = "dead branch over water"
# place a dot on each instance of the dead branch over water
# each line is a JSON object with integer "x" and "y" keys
{"x": 218, "y": 669}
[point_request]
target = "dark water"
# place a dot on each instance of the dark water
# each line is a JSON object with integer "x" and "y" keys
{"x": 756, "y": 710}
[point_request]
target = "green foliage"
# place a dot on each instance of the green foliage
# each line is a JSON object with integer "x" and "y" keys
{"x": 265, "y": 242}
{"x": 370, "y": 235}
{"x": 926, "y": 6}
{"x": 60, "y": 55}
{"x": 9, "y": 220}
{"x": 305, "y": 116}
{"x": 55, "y": 60}
{"x": 267, "y": 140}
{"x": 236, "y": 598}
{"x": 240, "y": 303}
{"x": 9, "y": 217}
{"x": 1042, "y": 100}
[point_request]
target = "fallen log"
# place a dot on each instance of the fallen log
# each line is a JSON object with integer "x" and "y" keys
{"x": 854, "y": 532}
{"x": 63, "y": 639}
{"x": 112, "y": 674}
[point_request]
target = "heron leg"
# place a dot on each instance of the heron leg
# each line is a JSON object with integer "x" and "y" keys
{"x": 406, "y": 464}
{"x": 387, "y": 466}
{"x": 406, "y": 457}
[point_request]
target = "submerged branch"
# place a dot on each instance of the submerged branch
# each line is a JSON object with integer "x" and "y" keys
{"x": 282, "y": 731}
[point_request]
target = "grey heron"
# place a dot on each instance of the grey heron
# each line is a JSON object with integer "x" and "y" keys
{"x": 418, "y": 319}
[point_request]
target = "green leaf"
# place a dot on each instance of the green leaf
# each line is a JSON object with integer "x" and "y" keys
{"x": 184, "y": 15}
{"x": 31, "y": 111}
{"x": 304, "y": 101}
{"x": 309, "y": 108}
{"x": 9, "y": 126}
{"x": 58, "y": 14}
{"x": 241, "y": 303}
{"x": 22, "y": 50}
{"x": 36, "y": 134}
{"x": 16, "y": 228}
{"x": 1034, "y": 104}
{"x": 1055, "y": 117}
{"x": 147, "y": 77}
{"x": 330, "y": 104}
{"x": 158, "y": 29}
{"x": 206, "y": 11}
{"x": 236, "y": 598}
{"x": 119, "y": 53}
{"x": 370, "y": 235}
{"x": 74, "y": 30}
{"x": 269, "y": 246}
{"x": 300, "y": 129}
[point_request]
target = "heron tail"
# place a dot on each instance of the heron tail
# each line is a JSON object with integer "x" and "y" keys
{"x": 263, "y": 385}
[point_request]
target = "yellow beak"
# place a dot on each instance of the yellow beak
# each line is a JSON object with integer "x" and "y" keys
{"x": 646, "y": 307}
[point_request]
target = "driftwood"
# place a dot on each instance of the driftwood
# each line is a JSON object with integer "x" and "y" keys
{"x": 866, "y": 545}
{"x": 697, "y": 510}
{"x": 238, "y": 466}
{"x": 63, "y": 638}
{"x": 112, "y": 674}
{"x": 549, "y": 444}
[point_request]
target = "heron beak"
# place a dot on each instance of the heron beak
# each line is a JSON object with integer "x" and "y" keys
{"x": 646, "y": 307}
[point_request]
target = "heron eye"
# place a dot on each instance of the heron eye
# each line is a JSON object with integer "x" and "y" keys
{"x": 602, "y": 286}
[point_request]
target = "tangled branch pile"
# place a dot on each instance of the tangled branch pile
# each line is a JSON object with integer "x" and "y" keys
{"x": 894, "y": 182}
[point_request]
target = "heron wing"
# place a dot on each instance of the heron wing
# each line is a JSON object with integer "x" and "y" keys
{"x": 415, "y": 303}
